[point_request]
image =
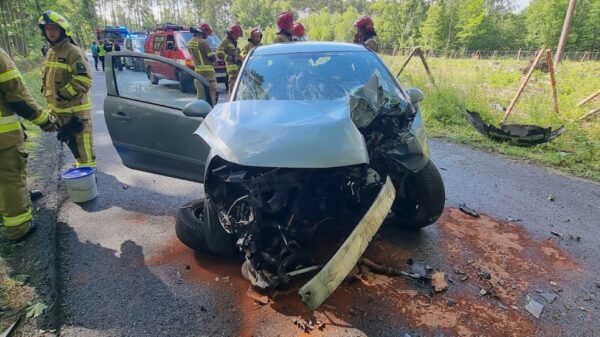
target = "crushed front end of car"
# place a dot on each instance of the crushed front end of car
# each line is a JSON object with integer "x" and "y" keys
{"x": 280, "y": 171}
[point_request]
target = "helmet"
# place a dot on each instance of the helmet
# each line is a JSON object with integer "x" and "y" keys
{"x": 235, "y": 31}
{"x": 298, "y": 29}
{"x": 205, "y": 28}
{"x": 256, "y": 34}
{"x": 285, "y": 20}
{"x": 53, "y": 18}
{"x": 364, "y": 23}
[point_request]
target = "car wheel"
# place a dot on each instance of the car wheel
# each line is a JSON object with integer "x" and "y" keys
{"x": 424, "y": 199}
{"x": 198, "y": 227}
{"x": 153, "y": 79}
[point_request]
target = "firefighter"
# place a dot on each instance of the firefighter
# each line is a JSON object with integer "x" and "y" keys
{"x": 230, "y": 53}
{"x": 299, "y": 33}
{"x": 253, "y": 41}
{"x": 102, "y": 53}
{"x": 365, "y": 33}
{"x": 204, "y": 58}
{"x": 285, "y": 22}
{"x": 65, "y": 84}
{"x": 15, "y": 101}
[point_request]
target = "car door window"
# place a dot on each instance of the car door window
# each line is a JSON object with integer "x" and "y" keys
{"x": 159, "y": 41}
{"x": 154, "y": 82}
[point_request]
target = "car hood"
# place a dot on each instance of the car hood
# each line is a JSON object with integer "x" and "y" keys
{"x": 294, "y": 134}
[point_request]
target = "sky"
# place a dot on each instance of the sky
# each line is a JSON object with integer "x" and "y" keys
{"x": 520, "y": 4}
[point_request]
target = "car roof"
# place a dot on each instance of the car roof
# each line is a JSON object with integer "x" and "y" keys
{"x": 308, "y": 47}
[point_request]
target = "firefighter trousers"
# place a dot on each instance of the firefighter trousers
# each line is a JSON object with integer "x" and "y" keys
{"x": 83, "y": 147}
{"x": 15, "y": 204}
{"x": 211, "y": 77}
{"x": 232, "y": 74}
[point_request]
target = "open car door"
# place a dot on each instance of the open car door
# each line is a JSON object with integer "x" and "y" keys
{"x": 144, "y": 116}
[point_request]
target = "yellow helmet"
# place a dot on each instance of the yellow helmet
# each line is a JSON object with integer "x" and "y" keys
{"x": 53, "y": 18}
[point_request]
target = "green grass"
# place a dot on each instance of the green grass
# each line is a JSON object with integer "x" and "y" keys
{"x": 480, "y": 84}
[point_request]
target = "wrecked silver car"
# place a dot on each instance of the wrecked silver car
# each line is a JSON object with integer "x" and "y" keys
{"x": 314, "y": 136}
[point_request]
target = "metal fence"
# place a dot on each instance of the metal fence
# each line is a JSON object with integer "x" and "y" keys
{"x": 493, "y": 54}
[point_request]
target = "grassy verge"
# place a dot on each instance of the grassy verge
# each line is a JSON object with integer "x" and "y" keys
{"x": 483, "y": 85}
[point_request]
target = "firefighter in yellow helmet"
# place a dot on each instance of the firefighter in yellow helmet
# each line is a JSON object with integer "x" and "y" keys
{"x": 253, "y": 41}
{"x": 66, "y": 80}
{"x": 15, "y": 102}
{"x": 203, "y": 58}
{"x": 230, "y": 53}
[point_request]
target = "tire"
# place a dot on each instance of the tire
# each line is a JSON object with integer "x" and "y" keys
{"x": 424, "y": 201}
{"x": 153, "y": 79}
{"x": 195, "y": 229}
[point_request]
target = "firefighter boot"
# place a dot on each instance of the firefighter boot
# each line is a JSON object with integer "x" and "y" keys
{"x": 19, "y": 232}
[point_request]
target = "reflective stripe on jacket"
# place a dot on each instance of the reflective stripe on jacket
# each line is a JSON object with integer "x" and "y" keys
{"x": 201, "y": 54}
{"x": 67, "y": 79}
{"x": 15, "y": 101}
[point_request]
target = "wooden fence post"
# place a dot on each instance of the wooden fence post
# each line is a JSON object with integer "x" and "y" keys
{"x": 552, "y": 80}
{"x": 522, "y": 86}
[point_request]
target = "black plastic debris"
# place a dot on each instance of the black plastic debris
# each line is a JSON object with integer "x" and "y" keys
{"x": 519, "y": 134}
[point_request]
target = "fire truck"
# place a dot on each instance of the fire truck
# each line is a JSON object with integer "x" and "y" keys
{"x": 116, "y": 34}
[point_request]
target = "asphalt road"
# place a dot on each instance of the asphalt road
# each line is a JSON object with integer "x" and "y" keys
{"x": 124, "y": 273}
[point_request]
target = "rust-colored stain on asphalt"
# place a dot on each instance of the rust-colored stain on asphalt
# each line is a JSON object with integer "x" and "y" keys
{"x": 468, "y": 248}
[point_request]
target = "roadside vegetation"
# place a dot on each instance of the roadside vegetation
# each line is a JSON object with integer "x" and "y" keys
{"x": 487, "y": 85}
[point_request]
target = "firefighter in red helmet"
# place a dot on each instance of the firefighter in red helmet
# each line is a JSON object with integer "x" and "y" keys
{"x": 365, "y": 33}
{"x": 230, "y": 53}
{"x": 285, "y": 22}
{"x": 299, "y": 33}
{"x": 253, "y": 41}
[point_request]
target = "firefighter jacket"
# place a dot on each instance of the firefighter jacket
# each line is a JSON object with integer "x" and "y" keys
{"x": 230, "y": 53}
{"x": 15, "y": 100}
{"x": 66, "y": 79}
{"x": 202, "y": 54}
{"x": 369, "y": 39}
{"x": 248, "y": 47}
{"x": 283, "y": 36}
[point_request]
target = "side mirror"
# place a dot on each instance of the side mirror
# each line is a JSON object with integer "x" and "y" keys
{"x": 197, "y": 108}
{"x": 170, "y": 45}
{"x": 415, "y": 95}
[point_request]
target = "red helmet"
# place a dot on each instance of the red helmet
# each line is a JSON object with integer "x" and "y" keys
{"x": 256, "y": 34}
{"x": 298, "y": 29}
{"x": 235, "y": 31}
{"x": 205, "y": 28}
{"x": 285, "y": 20}
{"x": 364, "y": 23}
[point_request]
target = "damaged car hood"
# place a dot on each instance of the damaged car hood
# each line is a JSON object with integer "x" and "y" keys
{"x": 293, "y": 134}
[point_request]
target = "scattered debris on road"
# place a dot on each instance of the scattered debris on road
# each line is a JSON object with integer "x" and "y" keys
{"x": 439, "y": 282}
{"x": 465, "y": 209}
{"x": 534, "y": 308}
{"x": 550, "y": 297}
{"x": 556, "y": 234}
{"x": 551, "y": 197}
{"x": 309, "y": 325}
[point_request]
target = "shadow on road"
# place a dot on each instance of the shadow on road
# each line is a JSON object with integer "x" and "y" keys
{"x": 114, "y": 193}
{"x": 113, "y": 292}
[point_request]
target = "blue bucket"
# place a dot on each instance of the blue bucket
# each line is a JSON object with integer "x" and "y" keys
{"x": 81, "y": 183}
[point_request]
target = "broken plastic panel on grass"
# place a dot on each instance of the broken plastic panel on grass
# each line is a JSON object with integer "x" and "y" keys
{"x": 276, "y": 200}
{"x": 520, "y": 134}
